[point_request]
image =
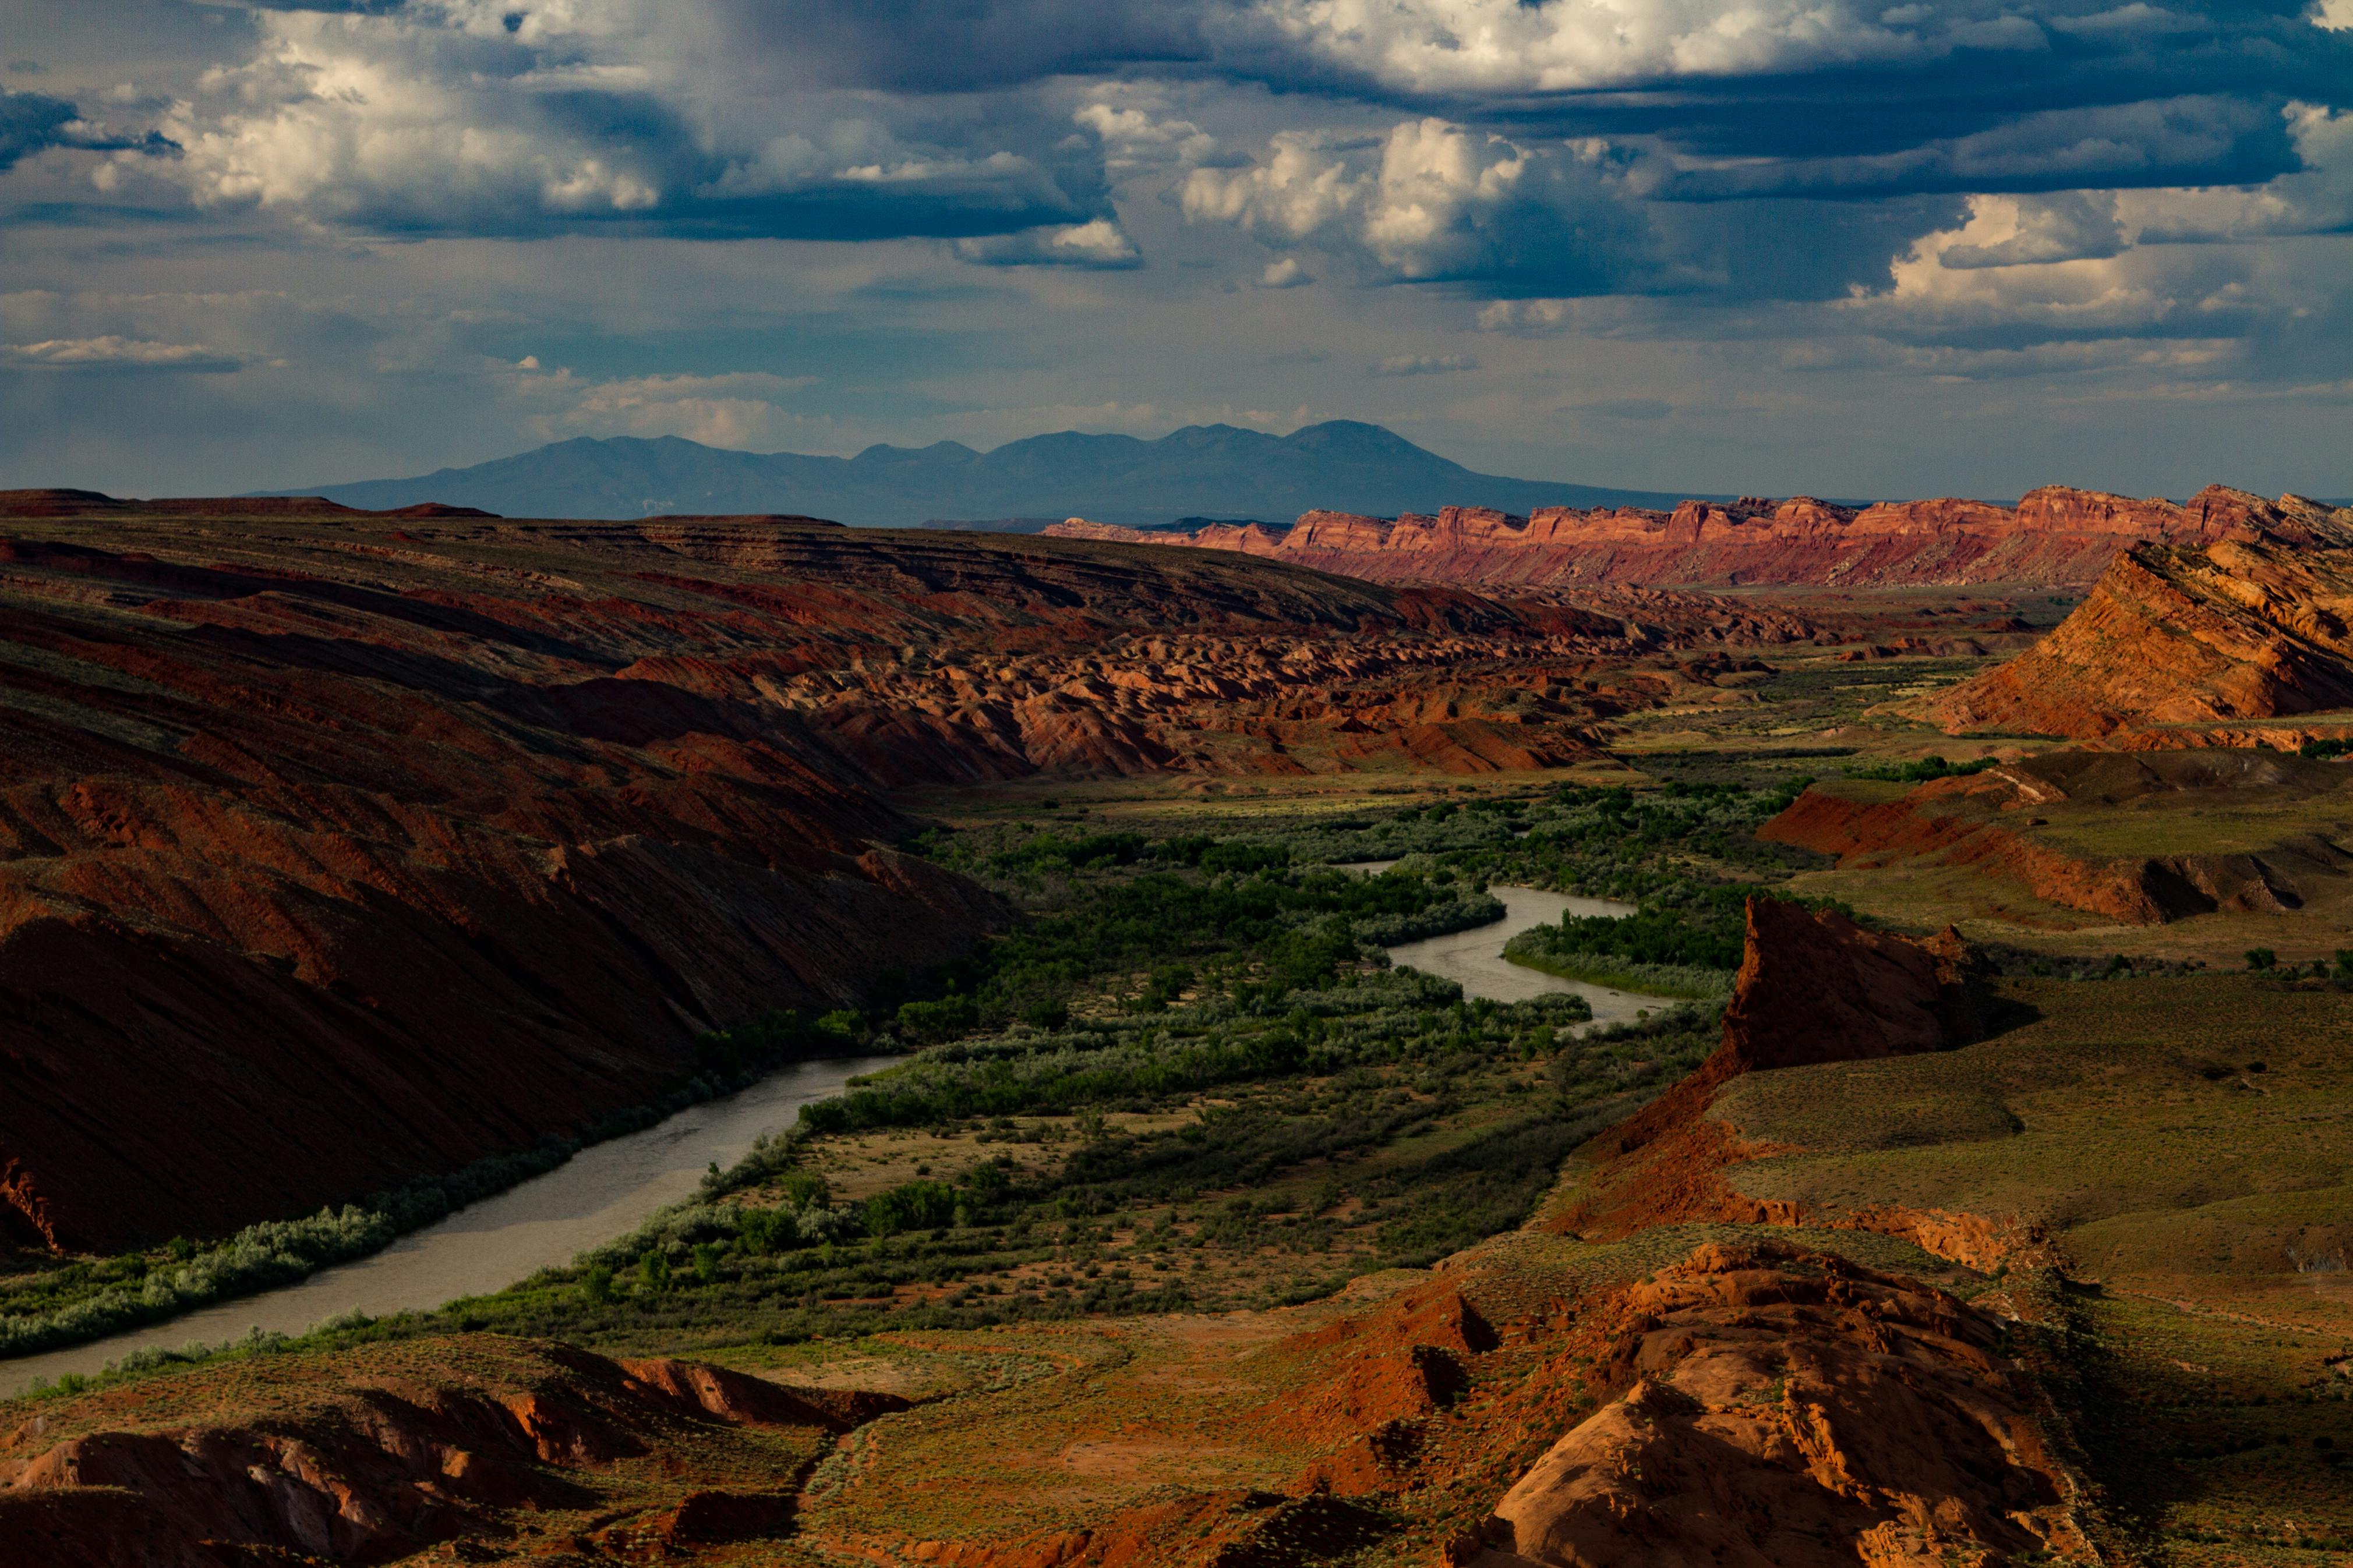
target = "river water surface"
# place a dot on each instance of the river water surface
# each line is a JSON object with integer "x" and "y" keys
{"x": 1474, "y": 958}
{"x": 603, "y": 1192}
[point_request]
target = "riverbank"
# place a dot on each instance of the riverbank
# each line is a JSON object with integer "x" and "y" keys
{"x": 1474, "y": 959}
{"x": 1673, "y": 982}
{"x": 604, "y": 1190}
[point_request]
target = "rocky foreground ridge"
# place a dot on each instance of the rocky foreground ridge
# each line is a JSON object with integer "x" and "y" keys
{"x": 338, "y": 849}
{"x": 2054, "y": 535}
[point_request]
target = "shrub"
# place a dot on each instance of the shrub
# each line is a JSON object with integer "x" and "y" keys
{"x": 1921, "y": 772}
{"x": 913, "y": 1206}
{"x": 653, "y": 1272}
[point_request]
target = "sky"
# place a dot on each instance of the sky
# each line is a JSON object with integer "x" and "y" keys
{"x": 1767, "y": 247}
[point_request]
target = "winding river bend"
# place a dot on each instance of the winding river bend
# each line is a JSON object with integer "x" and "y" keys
{"x": 603, "y": 1192}
{"x": 609, "y": 1190}
{"x": 1474, "y": 959}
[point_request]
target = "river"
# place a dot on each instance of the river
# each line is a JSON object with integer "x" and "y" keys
{"x": 1474, "y": 958}
{"x": 609, "y": 1190}
{"x": 603, "y": 1192}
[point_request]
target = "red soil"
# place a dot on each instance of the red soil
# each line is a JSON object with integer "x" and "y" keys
{"x": 333, "y": 856}
{"x": 1819, "y": 988}
{"x": 1982, "y": 822}
{"x": 1812, "y": 988}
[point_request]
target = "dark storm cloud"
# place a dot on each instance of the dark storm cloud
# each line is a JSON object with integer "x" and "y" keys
{"x": 2208, "y": 141}
{"x": 34, "y": 122}
{"x": 932, "y": 46}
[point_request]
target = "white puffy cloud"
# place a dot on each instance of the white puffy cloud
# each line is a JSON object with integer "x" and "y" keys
{"x": 1139, "y": 129}
{"x": 1307, "y": 182}
{"x": 1506, "y": 47}
{"x": 1099, "y": 243}
{"x": 1435, "y": 201}
{"x": 440, "y": 116}
{"x": 2073, "y": 225}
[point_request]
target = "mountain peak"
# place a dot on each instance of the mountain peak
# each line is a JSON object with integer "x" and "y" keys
{"x": 1200, "y": 470}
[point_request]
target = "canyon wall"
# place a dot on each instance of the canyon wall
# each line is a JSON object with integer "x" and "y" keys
{"x": 2054, "y": 536}
{"x": 339, "y": 849}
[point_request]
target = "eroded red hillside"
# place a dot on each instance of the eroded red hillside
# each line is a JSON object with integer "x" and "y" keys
{"x": 2252, "y": 625}
{"x": 339, "y": 849}
{"x": 1812, "y": 988}
{"x": 368, "y": 1456}
{"x": 2054, "y": 535}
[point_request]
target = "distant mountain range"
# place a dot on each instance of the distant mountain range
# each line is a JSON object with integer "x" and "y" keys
{"x": 1200, "y": 471}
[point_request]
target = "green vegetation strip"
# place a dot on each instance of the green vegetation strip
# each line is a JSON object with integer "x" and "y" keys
{"x": 1363, "y": 1118}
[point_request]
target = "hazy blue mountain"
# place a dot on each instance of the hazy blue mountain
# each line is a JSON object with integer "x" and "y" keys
{"x": 1203, "y": 471}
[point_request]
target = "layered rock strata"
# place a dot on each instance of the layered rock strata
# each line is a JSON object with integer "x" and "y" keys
{"x": 2055, "y": 536}
{"x": 384, "y": 1453}
{"x": 2249, "y": 626}
{"x": 1816, "y": 987}
{"x": 1813, "y": 988}
{"x": 2011, "y": 824}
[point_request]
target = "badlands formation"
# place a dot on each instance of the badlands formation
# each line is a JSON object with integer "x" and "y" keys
{"x": 1993, "y": 1210}
{"x": 270, "y": 765}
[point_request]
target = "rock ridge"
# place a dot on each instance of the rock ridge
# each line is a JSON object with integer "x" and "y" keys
{"x": 2055, "y": 535}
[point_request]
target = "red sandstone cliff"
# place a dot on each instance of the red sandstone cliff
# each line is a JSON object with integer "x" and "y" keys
{"x": 2250, "y": 626}
{"x": 1812, "y": 988}
{"x": 2054, "y": 535}
{"x": 1819, "y": 988}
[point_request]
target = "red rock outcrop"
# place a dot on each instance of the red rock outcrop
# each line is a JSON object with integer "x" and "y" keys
{"x": 2054, "y": 536}
{"x": 1986, "y": 822}
{"x": 1816, "y": 987}
{"x": 2251, "y": 625}
{"x": 1796, "y": 1409}
{"x": 374, "y": 1453}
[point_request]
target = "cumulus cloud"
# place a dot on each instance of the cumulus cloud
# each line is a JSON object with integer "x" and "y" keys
{"x": 1504, "y": 46}
{"x": 1996, "y": 189}
{"x": 737, "y": 411}
{"x": 2076, "y": 226}
{"x": 1139, "y": 129}
{"x": 2318, "y": 198}
{"x": 1099, "y": 243}
{"x": 437, "y": 116}
{"x": 1434, "y": 200}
